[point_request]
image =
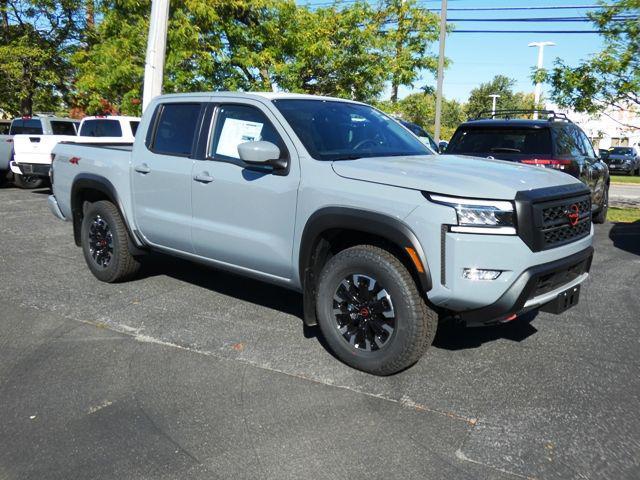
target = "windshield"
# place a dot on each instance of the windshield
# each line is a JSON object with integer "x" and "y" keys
{"x": 621, "y": 151}
{"x": 334, "y": 130}
{"x": 471, "y": 141}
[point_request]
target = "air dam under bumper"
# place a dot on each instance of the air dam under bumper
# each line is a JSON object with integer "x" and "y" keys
{"x": 533, "y": 289}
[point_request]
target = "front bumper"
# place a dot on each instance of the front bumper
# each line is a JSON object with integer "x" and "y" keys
{"x": 621, "y": 167}
{"x": 534, "y": 288}
{"x": 31, "y": 169}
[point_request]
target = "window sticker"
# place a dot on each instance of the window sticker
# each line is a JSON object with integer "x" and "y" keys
{"x": 234, "y": 132}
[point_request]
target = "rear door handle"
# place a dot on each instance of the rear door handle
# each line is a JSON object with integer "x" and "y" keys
{"x": 203, "y": 177}
{"x": 142, "y": 168}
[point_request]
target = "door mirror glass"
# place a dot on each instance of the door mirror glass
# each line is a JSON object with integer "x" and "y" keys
{"x": 261, "y": 152}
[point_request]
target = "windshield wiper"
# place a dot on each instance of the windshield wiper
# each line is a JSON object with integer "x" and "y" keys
{"x": 505, "y": 150}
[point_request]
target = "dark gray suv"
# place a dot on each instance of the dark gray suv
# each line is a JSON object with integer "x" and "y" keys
{"x": 552, "y": 142}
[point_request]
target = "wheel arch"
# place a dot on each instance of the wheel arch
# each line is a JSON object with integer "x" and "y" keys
{"x": 343, "y": 227}
{"x": 92, "y": 188}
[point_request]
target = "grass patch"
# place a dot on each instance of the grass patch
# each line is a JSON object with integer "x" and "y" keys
{"x": 625, "y": 179}
{"x": 625, "y": 215}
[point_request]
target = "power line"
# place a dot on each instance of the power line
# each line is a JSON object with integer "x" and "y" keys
{"x": 500, "y": 9}
{"x": 527, "y": 31}
{"x": 538, "y": 19}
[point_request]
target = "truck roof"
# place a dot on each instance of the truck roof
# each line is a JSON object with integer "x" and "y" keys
{"x": 111, "y": 117}
{"x": 258, "y": 95}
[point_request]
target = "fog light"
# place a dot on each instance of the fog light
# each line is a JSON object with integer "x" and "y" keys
{"x": 479, "y": 274}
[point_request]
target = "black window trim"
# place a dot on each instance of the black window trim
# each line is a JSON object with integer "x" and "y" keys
{"x": 208, "y": 138}
{"x": 153, "y": 130}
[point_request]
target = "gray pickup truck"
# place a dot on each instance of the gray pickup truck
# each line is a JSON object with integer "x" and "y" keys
{"x": 338, "y": 201}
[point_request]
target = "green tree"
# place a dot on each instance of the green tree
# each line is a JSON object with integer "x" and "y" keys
{"x": 37, "y": 38}
{"x": 479, "y": 99}
{"x": 409, "y": 33}
{"x": 420, "y": 108}
{"x": 610, "y": 78}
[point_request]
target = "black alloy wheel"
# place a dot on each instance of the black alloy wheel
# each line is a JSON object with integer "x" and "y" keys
{"x": 100, "y": 241}
{"x": 364, "y": 313}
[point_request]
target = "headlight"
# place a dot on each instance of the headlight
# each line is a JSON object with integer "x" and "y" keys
{"x": 493, "y": 217}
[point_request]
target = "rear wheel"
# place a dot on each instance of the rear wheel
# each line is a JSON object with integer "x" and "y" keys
{"x": 371, "y": 312}
{"x": 601, "y": 216}
{"x": 28, "y": 182}
{"x": 105, "y": 243}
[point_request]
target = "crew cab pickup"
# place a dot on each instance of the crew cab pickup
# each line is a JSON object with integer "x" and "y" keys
{"x": 36, "y": 125}
{"x": 33, "y": 153}
{"x": 338, "y": 201}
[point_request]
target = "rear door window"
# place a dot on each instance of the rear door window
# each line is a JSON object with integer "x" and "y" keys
{"x": 4, "y": 128}
{"x": 62, "y": 128}
{"x": 471, "y": 141}
{"x": 176, "y": 129}
{"x": 568, "y": 144}
{"x": 31, "y": 126}
{"x": 101, "y": 128}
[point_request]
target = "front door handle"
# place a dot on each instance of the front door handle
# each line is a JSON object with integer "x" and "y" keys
{"x": 142, "y": 168}
{"x": 203, "y": 177}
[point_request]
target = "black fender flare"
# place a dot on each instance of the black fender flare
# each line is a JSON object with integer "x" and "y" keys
{"x": 96, "y": 183}
{"x": 391, "y": 229}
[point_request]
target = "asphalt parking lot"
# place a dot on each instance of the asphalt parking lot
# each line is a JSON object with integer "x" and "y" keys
{"x": 192, "y": 373}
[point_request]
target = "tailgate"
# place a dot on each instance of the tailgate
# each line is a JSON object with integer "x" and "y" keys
{"x": 36, "y": 148}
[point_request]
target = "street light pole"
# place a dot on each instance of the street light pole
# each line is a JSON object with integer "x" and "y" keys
{"x": 156, "y": 47}
{"x": 493, "y": 108}
{"x": 538, "y": 89}
{"x": 443, "y": 32}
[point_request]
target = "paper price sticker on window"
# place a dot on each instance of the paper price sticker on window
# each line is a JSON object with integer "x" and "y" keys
{"x": 234, "y": 132}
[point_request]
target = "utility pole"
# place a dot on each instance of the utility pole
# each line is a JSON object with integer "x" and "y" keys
{"x": 538, "y": 89}
{"x": 493, "y": 108}
{"x": 156, "y": 48}
{"x": 443, "y": 33}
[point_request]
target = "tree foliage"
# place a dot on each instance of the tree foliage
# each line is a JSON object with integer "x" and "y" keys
{"x": 610, "y": 78}
{"x": 479, "y": 99}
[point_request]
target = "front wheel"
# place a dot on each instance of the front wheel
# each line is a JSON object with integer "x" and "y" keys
{"x": 28, "y": 182}
{"x": 105, "y": 243}
{"x": 371, "y": 312}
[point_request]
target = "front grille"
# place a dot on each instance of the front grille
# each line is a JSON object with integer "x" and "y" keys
{"x": 556, "y": 227}
{"x": 555, "y": 216}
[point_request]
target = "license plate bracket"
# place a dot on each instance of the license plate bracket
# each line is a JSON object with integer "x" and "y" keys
{"x": 564, "y": 301}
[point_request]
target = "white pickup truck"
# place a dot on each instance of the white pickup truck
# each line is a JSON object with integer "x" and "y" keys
{"x": 33, "y": 153}
{"x": 36, "y": 125}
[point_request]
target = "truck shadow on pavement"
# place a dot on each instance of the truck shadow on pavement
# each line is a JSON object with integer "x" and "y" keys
{"x": 449, "y": 335}
{"x": 626, "y": 236}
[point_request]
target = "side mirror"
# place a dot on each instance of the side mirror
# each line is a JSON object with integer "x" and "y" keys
{"x": 442, "y": 146}
{"x": 258, "y": 153}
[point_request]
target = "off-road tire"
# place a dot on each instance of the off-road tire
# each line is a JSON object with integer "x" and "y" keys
{"x": 28, "y": 183}
{"x": 122, "y": 265}
{"x": 601, "y": 215}
{"x": 414, "y": 323}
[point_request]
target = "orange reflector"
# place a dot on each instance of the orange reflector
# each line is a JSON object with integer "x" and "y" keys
{"x": 415, "y": 259}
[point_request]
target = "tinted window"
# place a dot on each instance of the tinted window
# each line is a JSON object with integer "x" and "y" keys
{"x": 134, "y": 127}
{"x": 236, "y": 124}
{"x": 101, "y": 128}
{"x": 62, "y": 128}
{"x": 4, "y": 128}
{"x": 587, "y": 146}
{"x": 474, "y": 140}
{"x": 31, "y": 126}
{"x": 332, "y": 130}
{"x": 176, "y": 128}
{"x": 567, "y": 143}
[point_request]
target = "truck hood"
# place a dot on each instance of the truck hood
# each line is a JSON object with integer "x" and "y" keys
{"x": 453, "y": 175}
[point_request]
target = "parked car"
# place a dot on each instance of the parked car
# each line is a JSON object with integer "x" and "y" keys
{"x": 604, "y": 154}
{"x": 624, "y": 160}
{"x": 33, "y": 153}
{"x": 553, "y": 142}
{"x": 422, "y": 134}
{"x": 336, "y": 200}
{"x": 36, "y": 125}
